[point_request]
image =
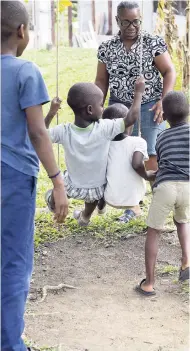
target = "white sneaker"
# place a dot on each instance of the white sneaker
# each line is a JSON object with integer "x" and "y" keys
{"x": 101, "y": 212}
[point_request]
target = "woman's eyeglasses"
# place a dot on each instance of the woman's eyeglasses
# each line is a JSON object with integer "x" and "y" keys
{"x": 126, "y": 23}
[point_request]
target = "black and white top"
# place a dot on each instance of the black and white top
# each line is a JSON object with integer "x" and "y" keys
{"x": 172, "y": 149}
{"x": 123, "y": 66}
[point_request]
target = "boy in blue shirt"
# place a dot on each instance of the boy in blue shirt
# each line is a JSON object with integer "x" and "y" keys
{"x": 24, "y": 139}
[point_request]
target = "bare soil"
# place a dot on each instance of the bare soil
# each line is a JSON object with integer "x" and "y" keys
{"x": 105, "y": 313}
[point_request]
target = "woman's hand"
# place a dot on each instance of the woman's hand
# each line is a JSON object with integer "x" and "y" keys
{"x": 158, "y": 117}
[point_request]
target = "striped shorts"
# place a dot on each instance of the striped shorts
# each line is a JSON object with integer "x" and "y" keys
{"x": 85, "y": 194}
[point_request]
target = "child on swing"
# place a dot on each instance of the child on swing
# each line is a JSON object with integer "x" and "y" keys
{"x": 171, "y": 190}
{"x": 86, "y": 144}
{"x": 126, "y": 173}
{"x": 24, "y": 139}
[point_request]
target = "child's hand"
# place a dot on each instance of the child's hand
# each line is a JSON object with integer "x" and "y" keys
{"x": 55, "y": 106}
{"x": 140, "y": 85}
{"x": 151, "y": 175}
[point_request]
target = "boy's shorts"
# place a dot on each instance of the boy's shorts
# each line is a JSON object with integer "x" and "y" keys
{"x": 169, "y": 196}
{"x": 85, "y": 194}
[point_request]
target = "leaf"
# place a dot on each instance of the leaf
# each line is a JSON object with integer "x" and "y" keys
{"x": 63, "y": 4}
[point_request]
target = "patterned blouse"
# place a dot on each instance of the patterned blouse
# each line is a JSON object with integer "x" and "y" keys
{"x": 123, "y": 66}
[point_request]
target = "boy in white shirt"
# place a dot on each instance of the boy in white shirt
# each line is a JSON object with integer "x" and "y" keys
{"x": 126, "y": 173}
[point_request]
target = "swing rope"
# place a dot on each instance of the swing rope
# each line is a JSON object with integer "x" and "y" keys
{"x": 141, "y": 56}
{"x": 57, "y": 73}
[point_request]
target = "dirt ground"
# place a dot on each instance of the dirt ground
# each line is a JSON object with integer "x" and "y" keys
{"x": 105, "y": 313}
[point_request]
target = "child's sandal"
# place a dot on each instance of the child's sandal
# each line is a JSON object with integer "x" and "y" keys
{"x": 80, "y": 219}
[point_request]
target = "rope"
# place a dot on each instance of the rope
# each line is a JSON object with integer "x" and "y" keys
{"x": 57, "y": 73}
{"x": 141, "y": 56}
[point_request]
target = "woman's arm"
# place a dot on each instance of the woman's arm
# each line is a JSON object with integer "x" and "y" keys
{"x": 102, "y": 78}
{"x": 165, "y": 66}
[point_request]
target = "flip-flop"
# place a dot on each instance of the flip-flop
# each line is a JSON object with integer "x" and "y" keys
{"x": 184, "y": 274}
{"x": 127, "y": 216}
{"x": 143, "y": 292}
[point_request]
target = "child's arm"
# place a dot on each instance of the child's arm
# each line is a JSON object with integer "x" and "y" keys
{"x": 135, "y": 109}
{"x": 139, "y": 167}
{"x": 42, "y": 144}
{"x": 55, "y": 106}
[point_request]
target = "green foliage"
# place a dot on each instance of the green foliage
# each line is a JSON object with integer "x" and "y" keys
{"x": 169, "y": 270}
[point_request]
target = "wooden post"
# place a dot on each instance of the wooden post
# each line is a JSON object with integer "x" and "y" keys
{"x": 109, "y": 17}
{"x": 53, "y": 22}
{"x": 70, "y": 25}
{"x": 93, "y": 15}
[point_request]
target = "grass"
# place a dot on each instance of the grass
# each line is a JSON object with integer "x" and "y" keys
{"x": 75, "y": 65}
{"x": 168, "y": 270}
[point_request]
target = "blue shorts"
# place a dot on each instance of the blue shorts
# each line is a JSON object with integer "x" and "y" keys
{"x": 149, "y": 129}
{"x": 18, "y": 193}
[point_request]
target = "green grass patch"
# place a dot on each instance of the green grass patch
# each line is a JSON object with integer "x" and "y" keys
{"x": 104, "y": 228}
{"x": 185, "y": 287}
{"x": 168, "y": 270}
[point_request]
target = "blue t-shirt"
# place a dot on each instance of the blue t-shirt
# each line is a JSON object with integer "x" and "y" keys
{"x": 22, "y": 86}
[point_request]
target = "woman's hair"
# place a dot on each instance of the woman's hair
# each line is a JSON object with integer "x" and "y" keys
{"x": 129, "y": 5}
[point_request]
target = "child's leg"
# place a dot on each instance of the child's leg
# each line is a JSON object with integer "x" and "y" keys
{"x": 17, "y": 217}
{"x": 83, "y": 217}
{"x": 101, "y": 207}
{"x": 89, "y": 209}
{"x": 151, "y": 251}
{"x": 181, "y": 220}
{"x": 101, "y": 204}
{"x": 183, "y": 231}
{"x": 164, "y": 197}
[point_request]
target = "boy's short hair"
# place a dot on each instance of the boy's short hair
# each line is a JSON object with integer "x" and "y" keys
{"x": 81, "y": 95}
{"x": 13, "y": 14}
{"x": 175, "y": 106}
{"x": 115, "y": 111}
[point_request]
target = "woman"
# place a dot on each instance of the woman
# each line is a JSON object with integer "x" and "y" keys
{"x": 119, "y": 67}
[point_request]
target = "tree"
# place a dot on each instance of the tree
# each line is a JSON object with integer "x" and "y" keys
{"x": 166, "y": 25}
